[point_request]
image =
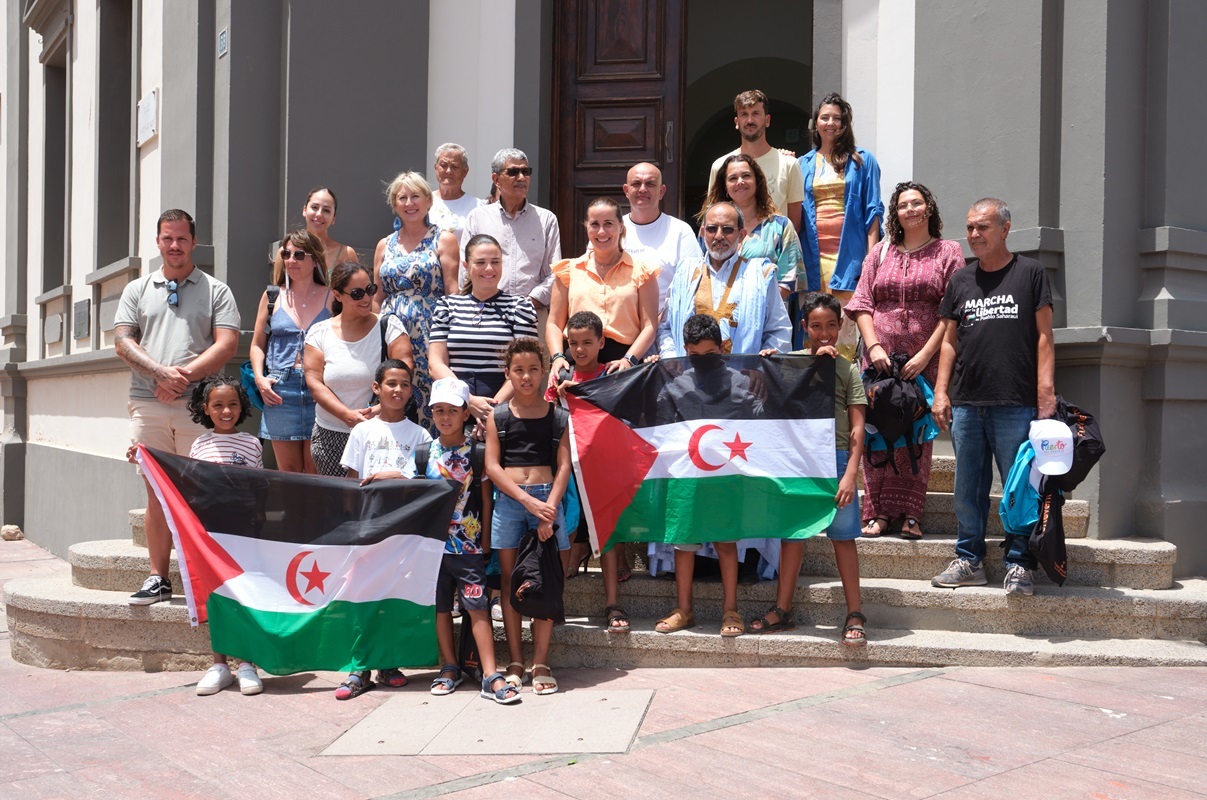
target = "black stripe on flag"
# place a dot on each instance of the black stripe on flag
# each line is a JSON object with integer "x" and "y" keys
{"x": 309, "y": 509}
{"x": 716, "y": 387}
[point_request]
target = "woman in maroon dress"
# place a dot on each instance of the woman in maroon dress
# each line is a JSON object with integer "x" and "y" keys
{"x": 896, "y": 306}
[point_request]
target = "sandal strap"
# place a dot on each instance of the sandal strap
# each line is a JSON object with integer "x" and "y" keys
{"x": 855, "y": 615}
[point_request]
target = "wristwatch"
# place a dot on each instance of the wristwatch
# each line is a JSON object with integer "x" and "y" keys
{"x": 556, "y": 356}
{"x": 632, "y": 359}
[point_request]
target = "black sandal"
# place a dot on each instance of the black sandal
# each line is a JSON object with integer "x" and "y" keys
{"x": 912, "y": 529}
{"x": 355, "y": 684}
{"x": 616, "y": 614}
{"x": 855, "y": 641}
{"x": 764, "y": 625}
{"x": 872, "y": 529}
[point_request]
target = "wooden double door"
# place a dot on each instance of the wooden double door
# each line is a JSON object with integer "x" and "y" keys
{"x": 617, "y": 101}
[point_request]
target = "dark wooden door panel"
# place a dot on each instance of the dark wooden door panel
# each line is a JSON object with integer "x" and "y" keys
{"x": 618, "y": 98}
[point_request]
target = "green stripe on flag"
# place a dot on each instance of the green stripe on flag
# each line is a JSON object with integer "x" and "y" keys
{"x": 341, "y": 636}
{"x": 727, "y": 508}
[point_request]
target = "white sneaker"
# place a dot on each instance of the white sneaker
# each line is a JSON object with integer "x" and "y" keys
{"x": 249, "y": 679}
{"x": 217, "y": 678}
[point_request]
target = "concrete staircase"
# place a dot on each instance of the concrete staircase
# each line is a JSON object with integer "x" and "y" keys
{"x": 1120, "y": 606}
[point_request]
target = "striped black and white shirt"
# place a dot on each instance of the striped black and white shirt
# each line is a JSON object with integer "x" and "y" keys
{"x": 476, "y": 332}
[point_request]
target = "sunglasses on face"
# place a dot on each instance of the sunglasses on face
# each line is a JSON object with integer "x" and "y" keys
{"x": 299, "y": 255}
{"x": 513, "y": 172}
{"x": 361, "y": 294}
{"x": 726, "y": 230}
{"x": 173, "y": 294}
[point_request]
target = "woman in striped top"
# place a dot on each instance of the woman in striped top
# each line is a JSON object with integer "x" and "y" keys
{"x": 469, "y": 330}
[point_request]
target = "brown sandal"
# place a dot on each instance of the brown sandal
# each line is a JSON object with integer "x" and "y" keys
{"x": 854, "y": 635}
{"x": 731, "y": 620}
{"x": 676, "y": 621}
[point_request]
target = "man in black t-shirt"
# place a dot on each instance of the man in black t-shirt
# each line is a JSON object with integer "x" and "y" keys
{"x": 995, "y": 376}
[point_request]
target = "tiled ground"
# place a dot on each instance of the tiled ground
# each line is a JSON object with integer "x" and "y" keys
{"x": 831, "y": 733}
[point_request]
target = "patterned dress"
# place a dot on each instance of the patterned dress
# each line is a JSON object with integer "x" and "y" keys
{"x": 903, "y": 295}
{"x": 412, "y": 283}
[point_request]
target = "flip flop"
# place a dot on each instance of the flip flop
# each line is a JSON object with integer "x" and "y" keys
{"x": 872, "y": 529}
{"x": 676, "y": 621}
{"x": 912, "y": 529}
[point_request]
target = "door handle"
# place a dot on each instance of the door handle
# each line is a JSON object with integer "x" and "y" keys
{"x": 668, "y": 142}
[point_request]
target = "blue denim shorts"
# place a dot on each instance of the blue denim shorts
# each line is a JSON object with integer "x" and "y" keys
{"x": 293, "y": 419}
{"x": 511, "y": 520}
{"x": 846, "y": 524}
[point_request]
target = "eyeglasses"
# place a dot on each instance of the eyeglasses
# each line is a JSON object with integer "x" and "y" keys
{"x": 299, "y": 255}
{"x": 173, "y": 294}
{"x": 513, "y": 172}
{"x": 726, "y": 230}
{"x": 361, "y": 294}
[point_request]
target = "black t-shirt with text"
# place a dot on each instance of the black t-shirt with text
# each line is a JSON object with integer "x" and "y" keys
{"x": 996, "y": 333}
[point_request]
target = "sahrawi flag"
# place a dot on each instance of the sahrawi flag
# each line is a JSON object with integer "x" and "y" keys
{"x": 705, "y": 449}
{"x": 301, "y": 572}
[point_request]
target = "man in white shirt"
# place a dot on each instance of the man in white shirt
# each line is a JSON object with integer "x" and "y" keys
{"x": 451, "y": 204}
{"x": 783, "y": 174}
{"x": 653, "y": 234}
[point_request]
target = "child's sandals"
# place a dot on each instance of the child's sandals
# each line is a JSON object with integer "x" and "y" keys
{"x": 355, "y": 684}
{"x": 764, "y": 625}
{"x": 505, "y": 695}
{"x": 516, "y": 680}
{"x": 392, "y": 678}
{"x": 854, "y": 635}
{"x": 543, "y": 684}
{"x": 442, "y": 685}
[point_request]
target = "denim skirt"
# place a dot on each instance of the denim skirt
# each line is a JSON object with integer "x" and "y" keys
{"x": 293, "y": 419}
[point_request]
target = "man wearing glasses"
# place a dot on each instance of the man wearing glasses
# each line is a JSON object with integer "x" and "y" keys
{"x": 173, "y": 328}
{"x": 528, "y": 234}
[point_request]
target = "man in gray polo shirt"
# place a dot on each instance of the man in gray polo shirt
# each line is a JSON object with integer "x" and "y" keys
{"x": 173, "y": 328}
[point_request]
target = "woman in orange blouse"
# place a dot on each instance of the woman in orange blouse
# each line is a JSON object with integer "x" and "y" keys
{"x": 623, "y": 292}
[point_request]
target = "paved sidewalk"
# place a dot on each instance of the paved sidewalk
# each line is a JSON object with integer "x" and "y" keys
{"x": 826, "y": 732}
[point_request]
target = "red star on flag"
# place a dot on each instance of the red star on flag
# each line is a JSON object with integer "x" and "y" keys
{"x": 737, "y": 448}
{"x": 315, "y": 577}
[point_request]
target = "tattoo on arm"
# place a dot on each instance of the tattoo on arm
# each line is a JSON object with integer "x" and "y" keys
{"x": 126, "y": 344}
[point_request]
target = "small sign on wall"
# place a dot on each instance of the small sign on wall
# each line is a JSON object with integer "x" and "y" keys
{"x": 224, "y": 41}
{"x": 81, "y": 319}
{"x": 148, "y": 117}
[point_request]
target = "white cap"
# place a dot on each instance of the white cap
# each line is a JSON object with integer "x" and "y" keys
{"x": 1053, "y": 444}
{"x": 451, "y": 391}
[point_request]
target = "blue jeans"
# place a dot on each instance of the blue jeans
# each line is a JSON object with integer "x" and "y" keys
{"x": 982, "y": 435}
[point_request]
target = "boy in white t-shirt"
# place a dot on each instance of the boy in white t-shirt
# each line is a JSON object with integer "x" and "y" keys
{"x": 383, "y": 448}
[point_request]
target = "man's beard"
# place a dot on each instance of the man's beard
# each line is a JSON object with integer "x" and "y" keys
{"x": 723, "y": 255}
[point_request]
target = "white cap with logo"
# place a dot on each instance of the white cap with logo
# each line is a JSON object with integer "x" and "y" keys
{"x": 450, "y": 390}
{"x": 1053, "y": 444}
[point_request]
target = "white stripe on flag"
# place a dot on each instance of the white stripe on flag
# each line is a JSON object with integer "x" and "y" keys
{"x": 776, "y": 448}
{"x": 400, "y": 566}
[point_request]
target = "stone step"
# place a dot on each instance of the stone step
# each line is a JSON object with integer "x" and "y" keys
{"x": 939, "y": 516}
{"x": 1127, "y": 563}
{"x": 115, "y": 565}
{"x": 579, "y": 645}
{"x": 1058, "y": 612}
{"x": 55, "y": 624}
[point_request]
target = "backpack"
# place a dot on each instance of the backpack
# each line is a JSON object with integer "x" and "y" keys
{"x": 477, "y": 463}
{"x": 895, "y": 406}
{"x": 1088, "y": 445}
{"x": 1019, "y": 507}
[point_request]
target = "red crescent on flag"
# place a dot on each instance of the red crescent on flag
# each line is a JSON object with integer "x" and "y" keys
{"x": 693, "y": 448}
{"x": 291, "y": 577}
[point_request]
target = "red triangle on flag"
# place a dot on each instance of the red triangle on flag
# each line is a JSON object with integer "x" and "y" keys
{"x": 612, "y": 462}
{"x": 205, "y": 565}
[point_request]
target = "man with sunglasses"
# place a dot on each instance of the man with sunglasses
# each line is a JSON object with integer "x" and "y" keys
{"x": 528, "y": 234}
{"x": 741, "y": 294}
{"x": 173, "y": 328}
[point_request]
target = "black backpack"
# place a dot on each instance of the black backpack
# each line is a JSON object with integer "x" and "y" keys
{"x": 893, "y": 405}
{"x": 1088, "y": 445}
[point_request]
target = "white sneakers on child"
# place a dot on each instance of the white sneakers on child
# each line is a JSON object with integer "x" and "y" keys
{"x": 249, "y": 679}
{"x": 219, "y": 676}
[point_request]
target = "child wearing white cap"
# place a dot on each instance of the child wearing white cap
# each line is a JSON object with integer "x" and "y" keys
{"x": 463, "y": 567}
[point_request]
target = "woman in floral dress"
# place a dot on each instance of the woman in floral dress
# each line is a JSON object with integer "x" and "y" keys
{"x": 896, "y": 306}
{"x": 415, "y": 266}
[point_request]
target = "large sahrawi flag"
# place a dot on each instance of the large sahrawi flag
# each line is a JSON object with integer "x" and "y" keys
{"x": 302, "y": 572}
{"x": 706, "y": 448}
